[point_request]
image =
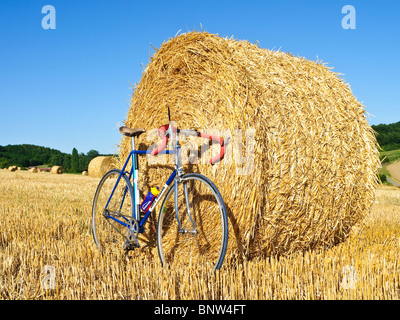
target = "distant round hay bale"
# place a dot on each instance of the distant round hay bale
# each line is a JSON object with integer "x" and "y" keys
{"x": 33, "y": 169}
{"x": 12, "y": 168}
{"x": 307, "y": 172}
{"x": 84, "y": 173}
{"x": 100, "y": 165}
{"x": 56, "y": 170}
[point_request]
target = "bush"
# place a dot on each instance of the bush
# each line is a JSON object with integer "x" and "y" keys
{"x": 382, "y": 177}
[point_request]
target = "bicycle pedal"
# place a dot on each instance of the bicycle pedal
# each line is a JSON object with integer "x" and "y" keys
{"x": 131, "y": 244}
{"x": 128, "y": 246}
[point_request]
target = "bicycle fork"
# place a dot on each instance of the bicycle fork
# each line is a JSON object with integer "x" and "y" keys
{"x": 184, "y": 230}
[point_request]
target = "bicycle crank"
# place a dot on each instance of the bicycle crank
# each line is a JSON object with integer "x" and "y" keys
{"x": 131, "y": 239}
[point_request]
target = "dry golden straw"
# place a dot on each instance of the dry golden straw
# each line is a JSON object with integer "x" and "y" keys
{"x": 312, "y": 177}
{"x": 99, "y": 166}
{"x": 56, "y": 170}
{"x": 46, "y": 221}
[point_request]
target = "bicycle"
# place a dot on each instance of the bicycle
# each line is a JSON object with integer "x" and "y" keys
{"x": 194, "y": 229}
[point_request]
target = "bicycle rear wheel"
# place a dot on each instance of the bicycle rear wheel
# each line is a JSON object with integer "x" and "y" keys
{"x": 109, "y": 234}
{"x": 200, "y": 235}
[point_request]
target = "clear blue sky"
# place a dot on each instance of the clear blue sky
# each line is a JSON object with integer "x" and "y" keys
{"x": 70, "y": 87}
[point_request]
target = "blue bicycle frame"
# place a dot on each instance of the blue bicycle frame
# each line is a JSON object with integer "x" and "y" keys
{"x": 135, "y": 173}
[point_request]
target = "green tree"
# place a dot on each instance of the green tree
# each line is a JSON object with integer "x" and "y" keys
{"x": 75, "y": 160}
{"x": 53, "y": 160}
{"x": 83, "y": 162}
{"x": 388, "y": 135}
{"x": 66, "y": 163}
{"x": 4, "y": 163}
{"x": 92, "y": 154}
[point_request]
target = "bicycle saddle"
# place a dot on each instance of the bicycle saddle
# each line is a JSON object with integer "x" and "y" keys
{"x": 129, "y": 132}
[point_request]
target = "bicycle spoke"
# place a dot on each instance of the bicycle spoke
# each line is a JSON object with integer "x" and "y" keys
{"x": 202, "y": 215}
{"x": 108, "y": 233}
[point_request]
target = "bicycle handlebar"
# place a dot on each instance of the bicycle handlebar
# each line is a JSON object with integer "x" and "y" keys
{"x": 162, "y": 131}
{"x": 164, "y": 139}
{"x": 218, "y": 139}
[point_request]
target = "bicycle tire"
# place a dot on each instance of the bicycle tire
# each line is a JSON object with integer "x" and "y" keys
{"x": 206, "y": 238}
{"x": 107, "y": 233}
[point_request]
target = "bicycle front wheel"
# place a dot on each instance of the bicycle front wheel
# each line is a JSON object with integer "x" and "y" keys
{"x": 112, "y": 211}
{"x": 198, "y": 234}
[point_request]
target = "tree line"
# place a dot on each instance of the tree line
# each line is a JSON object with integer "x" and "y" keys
{"x": 27, "y": 155}
{"x": 388, "y": 135}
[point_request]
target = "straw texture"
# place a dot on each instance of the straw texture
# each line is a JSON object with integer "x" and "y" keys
{"x": 56, "y": 170}
{"x": 306, "y": 173}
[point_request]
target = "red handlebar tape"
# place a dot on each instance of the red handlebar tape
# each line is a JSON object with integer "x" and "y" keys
{"x": 164, "y": 141}
{"x": 218, "y": 139}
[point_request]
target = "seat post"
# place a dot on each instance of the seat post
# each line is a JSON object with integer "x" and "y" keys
{"x": 135, "y": 164}
{"x": 133, "y": 143}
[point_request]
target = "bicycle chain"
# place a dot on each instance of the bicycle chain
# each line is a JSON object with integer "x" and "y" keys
{"x": 130, "y": 245}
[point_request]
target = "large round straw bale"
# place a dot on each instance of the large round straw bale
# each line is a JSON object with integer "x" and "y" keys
{"x": 306, "y": 172}
{"x": 100, "y": 165}
{"x": 56, "y": 170}
{"x": 84, "y": 173}
{"x": 33, "y": 169}
{"x": 12, "y": 168}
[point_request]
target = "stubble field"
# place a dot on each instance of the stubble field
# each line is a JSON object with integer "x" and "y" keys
{"x": 47, "y": 252}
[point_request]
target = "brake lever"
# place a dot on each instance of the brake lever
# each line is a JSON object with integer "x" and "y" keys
{"x": 227, "y": 141}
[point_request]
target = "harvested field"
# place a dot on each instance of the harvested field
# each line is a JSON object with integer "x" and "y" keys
{"x": 394, "y": 170}
{"x": 45, "y": 225}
